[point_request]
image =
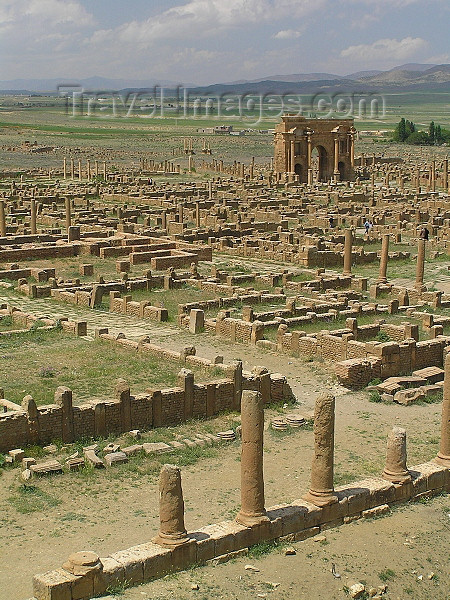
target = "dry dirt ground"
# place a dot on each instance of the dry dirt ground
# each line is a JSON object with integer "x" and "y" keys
{"x": 116, "y": 509}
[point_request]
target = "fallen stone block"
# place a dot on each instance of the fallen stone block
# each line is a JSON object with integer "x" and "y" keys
{"x": 132, "y": 450}
{"x": 156, "y": 448}
{"x": 47, "y": 468}
{"x": 17, "y": 454}
{"x": 93, "y": 459}
{"x": 115, "y": 458}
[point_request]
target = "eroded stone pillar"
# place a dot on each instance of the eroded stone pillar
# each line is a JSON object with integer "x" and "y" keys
{"x": 336, "y": 173}
{"x": 68, "y": 214}
{"x": 33, "y": 216}
{"x": 348, "y": 252}
{"x": 2, "y": 219}
{"x": 443, "y": 456}
{"x": 420, "y": 267}
{"x": 172, "y": 531}
{"x": 395, "y": 469}
{"x": 321, "y": 492}
{"x": 252, "y": 479}
{"x": 384, "y": 259}
{"x": 445, "y": 175}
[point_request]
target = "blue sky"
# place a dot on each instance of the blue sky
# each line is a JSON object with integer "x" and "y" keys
{"x": 208, "y": 41}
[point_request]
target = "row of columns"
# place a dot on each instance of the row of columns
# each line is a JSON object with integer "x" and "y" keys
{"x": 321, "y": 493}
{"x": 382, "y": 277}
{"x": 80, "y": 173}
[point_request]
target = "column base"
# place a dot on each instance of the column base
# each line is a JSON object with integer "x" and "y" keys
{"x": 382, "y": 280}
{"x": 320, "y": 498}
{"x": 420, "y": 287}
{"x": 171, "y": 540}
{"x": 443, "y": 460}
{"x": 399, "y": 478}
{"x": 250, "y": 520}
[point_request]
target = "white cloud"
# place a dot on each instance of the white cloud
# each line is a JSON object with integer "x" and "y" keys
{"x": 205, "y": 18}
{"x": 40, "y": 12}
{"x": 385, "y": 49}
{"x": 287, "y": 34}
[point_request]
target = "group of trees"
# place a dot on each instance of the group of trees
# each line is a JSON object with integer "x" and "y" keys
{"x": 407, "y": 132}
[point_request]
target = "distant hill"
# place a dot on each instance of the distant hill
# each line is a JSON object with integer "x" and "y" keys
{"x": 89, "y": 83}
{"x": 403, "y": 78}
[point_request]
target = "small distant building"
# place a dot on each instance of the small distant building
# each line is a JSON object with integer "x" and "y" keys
{"x": 296, "y": 137}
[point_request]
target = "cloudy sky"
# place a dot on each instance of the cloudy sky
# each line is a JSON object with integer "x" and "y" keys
{"x": 208, "y": 41}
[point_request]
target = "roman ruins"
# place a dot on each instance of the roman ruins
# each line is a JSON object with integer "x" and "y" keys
{"x": 319, "y": 255}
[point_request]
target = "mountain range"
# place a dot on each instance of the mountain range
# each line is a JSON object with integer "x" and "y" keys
{"x": 407, "y": 77}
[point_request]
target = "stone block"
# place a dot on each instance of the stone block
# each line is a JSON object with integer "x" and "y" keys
{"x": 83, "y": 587}
{"x": 223, "y": 536}
{"x": 53, "y": 585}
{"x": 132, "y": 563}
{"x": 293, "y": 517}
{"x": 156, "y": 448}
{"x": 47, "y": 468}
{"x": 115, "y": 458}
{"x": 378, "y": 511}
{"x": 132, "y": 450}
{"x": 17, "y": 454}
{"x": 184, "y": 555}
{"x": 381, "y": 492}
{"x": 205, "y": 544}
{"x": 111, "y": 574}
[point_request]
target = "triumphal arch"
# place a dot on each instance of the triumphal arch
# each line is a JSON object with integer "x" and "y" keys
{"x": 315, "y": 149}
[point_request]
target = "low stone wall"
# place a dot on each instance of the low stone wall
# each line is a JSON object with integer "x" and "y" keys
{"x": 29, "y": 424}
{"x": 372, "y": 360}
{"x": 286, "y": 522}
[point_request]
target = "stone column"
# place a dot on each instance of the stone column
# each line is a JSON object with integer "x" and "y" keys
{"x": 65, "y": 167}
{"x": 395, "y": 469}
{"x": 336, "y": 159}
{"x": 88, "y": 168}
{"x": 68, "y": 215}
{"x": 443, "y": 456}
{"x": 72, "y": 169}
{"x": 384, "y": 259}
{"x": 2, "y": 219}
{"x": 308, "y": 152}
{"x": 348, "y": 252}
{"x": 172, "y": 531}
{"x": 352, "y": 150}
{"x": 292, "y": 166}
{"x": 420, "y": 267}
{"x": 63, "y": 398}
{"x": 252, "y": 510}
{"x": 79, "y": 170}
{"x": 445, "y": 175}
{"x": 433, "y": 176}
{"x": 321, "y": 492}
{"x": 104, "y": 170}
{"x": 33, "y": 216}
{"x": 96, "y": 168}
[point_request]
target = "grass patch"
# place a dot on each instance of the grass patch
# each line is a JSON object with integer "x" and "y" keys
{"x": 30, "y": 498}
{"x": 386, "y": 575}
{"x": 44, "y": 360}
{"x": 263, "y": 548}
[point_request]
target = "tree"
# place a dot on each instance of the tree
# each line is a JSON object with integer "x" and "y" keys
{"x": 419, "y": 138}
{"x": 432, "y": 132}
